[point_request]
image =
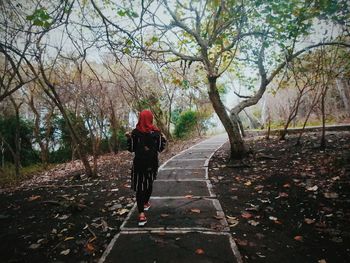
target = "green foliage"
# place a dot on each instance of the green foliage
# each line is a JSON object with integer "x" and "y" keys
{"x": 61, "y": 155}
{"x": 185, "y": 124}
{"x": 40, "y": 17}
{"x": 65, "y": 138}
{"x": 8, "y": 131}
{"x": 175, "y": 115}
{"x": 122, "y": 141}
{"x": 127, "y": 12}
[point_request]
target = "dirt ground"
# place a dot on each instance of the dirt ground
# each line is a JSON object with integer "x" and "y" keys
{"x": 55, "y": 217}
{"x": 288, "y": 203}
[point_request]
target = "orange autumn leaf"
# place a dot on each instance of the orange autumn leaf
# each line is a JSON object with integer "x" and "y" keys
{"x": 298, "y": 238}
{"x": 89, "y": 248}
{"x": 199, "y": 251}
{"x": 246, "y": 215}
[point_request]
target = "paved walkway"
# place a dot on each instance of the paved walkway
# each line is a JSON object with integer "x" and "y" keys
{"x": 186, "y": 223}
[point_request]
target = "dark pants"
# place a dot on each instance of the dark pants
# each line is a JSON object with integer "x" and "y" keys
{"x": 142, "y": 197}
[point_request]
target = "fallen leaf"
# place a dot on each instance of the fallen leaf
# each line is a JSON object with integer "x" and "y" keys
{"x": 34, "y": 246}
{"x": 259, "y": 187}
{"x": 331, "y": 195}
{"x": 65, "y": 252}
{"x": 246, "y": 215}
{"x": 40, "y": 240}
{"x": 241, "y": 242}
{"x": 273, "y": 218}
{"x": 89, "y": 248}
{"x": 188, "y": 196}
{"x": 195, "y": 210}
{"x": 283, "y": 194}
{"x": 286, "y": 185}
{"x": 63, "y": 217}
{"x": 218, "y": 217}
{"x": 298, "y": 238}
{"x": 248, "y": 183}
{"x": 232, "y": 221}
{"x": 309, "y": 221}
{"x": 313, "y": 188}
{"x": 68, "y": 238}
{"x": 33, "y": 198}
{"x": 253, "y": 222}
{"x": 260, "y": 255}
{"x": 322, "y": 261}
{"x": 199, "y": 251}
{"x": 164, "y": 215}
{"x": 122, "y": 211}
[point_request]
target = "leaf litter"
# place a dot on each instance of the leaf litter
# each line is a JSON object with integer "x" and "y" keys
{"x": 298, "y": 198}
{"x": 70, "y": 213}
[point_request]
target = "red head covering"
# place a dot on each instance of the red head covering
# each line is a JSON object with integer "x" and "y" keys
{"x": 145, "y": 123}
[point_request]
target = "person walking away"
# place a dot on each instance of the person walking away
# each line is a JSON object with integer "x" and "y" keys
{"x": 146, "y": 141}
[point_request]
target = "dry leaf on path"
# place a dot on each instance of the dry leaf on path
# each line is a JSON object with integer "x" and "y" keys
{"x": 246, "y": 215}
{"x": 33, "y": 198}
{"x": 273, "y": 218}
{"x": 34, "y": 246}
{"x": 232, "y": 221}
{"x": 63, "y": 217}
{"x": 65, "y": 252}
{"x": 89, "y": 248}
{"x": 164, "y": 215}
{"x": 313, "y": 188}
{"x": 309, "y": 221}
{"x": 199, "y": 251}
{"x": 242, "y": 242}
{"x": 283, "y": 194}
{"x": 195, "y": 210}
{"x": 331, "y": 195}
{"x": 298, "y": 238}
{"x": 122, "y": 211}
{"x": 253, "y": 222}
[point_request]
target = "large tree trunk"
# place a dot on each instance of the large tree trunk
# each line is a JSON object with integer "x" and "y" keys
{"x": 236, "y": 142}
{"x": 240, "y": 125}
{"x": 17, "y": 150}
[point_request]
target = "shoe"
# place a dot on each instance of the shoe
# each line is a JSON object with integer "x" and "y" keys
{"x": 142, "y": 220}
{"x": 147, "y": 206}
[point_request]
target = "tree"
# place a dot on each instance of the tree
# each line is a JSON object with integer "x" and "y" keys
{"x": 220, "y": 34}
{"x": 43, "y": 110}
